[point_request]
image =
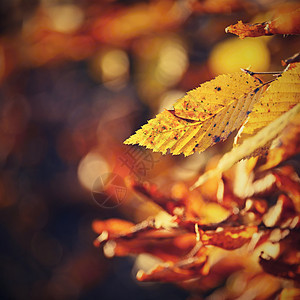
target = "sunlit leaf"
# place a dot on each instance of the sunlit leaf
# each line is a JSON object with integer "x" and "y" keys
{"x": 203, "y": 117}
{"x": 281, "y": 95}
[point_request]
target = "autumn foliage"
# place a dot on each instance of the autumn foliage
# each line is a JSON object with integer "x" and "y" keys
{"x": 257, "y": 233}
{"x": 204, "y": 193}
{"x": 262, "y": 227}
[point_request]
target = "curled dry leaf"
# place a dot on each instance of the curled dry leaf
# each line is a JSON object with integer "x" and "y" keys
{"x": 247, "y": 30}
{"x": 287, "y": 23}
{"x": 229, "y": 238}
{"x": 169, "y": 244}
{"x": 171, "y": 272}
{"x": 180, "y": 202}
{"x": 169, "y": 204}
{"x": 283, "y": 210}
{"x": 290, "y": 184}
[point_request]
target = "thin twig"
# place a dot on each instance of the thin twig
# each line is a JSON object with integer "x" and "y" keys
{"x": 275, "y": 73}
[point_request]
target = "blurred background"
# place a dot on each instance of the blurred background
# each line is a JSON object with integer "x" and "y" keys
{"x": 76, "y": 79}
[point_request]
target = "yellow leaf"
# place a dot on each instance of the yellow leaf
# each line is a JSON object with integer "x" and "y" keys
{"x": 281, "y": 96}
{"x": 203, "y": 117}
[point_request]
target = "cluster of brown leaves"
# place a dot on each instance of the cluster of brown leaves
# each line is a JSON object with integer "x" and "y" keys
{"x": 262, "y": 203}
{"x": 237, "y": 236}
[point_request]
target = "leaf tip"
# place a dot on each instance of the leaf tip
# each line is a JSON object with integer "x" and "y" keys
{"x": 140, "y": 275}
{"x": 130, "y": 140}
{"x": 204, "y": 177}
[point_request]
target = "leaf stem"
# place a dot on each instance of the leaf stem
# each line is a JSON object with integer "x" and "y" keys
{"x": 275, "y": 73}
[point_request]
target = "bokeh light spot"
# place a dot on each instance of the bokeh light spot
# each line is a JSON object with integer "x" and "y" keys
{"x": 232, "y": 54}
{"x": 90, "y": 168}
{"x": 66, "y": 18}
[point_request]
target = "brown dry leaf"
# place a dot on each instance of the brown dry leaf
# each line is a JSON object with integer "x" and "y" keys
{"x": 169, "y": 244}
{"x": 287, "y": 23}
{"x": 280, "y": 268}
{"x": 246, "y": 30}
{"x": 158, "y": 243}
{"x": 288, "y": 181}
{"x": 203, "y": 117}
{"x": 282, "y": 211}
{"x": 180, "y": 202}
{"x": 228, "y": 238}
{"x": 168, "y": 203}
{"x": 189, "y": 268}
